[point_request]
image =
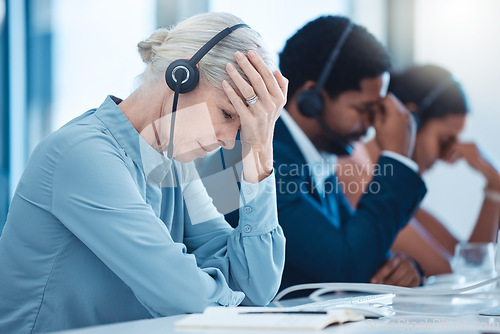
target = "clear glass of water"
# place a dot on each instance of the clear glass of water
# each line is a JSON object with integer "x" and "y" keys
{"x": 475, "y": 261}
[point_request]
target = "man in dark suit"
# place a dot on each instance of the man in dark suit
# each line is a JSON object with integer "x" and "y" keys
{"x": 338, "y": 77}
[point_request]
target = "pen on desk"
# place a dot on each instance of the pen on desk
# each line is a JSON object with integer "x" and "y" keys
{"x": 285, "y": 312}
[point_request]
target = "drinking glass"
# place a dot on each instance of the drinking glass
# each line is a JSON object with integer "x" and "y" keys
{"x": 475, "y": 261}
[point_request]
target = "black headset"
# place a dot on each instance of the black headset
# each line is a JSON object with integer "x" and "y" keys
{"x": 432, "y": 97}
{"x": 310, "y": 102}
{"x": 182, "y": 75}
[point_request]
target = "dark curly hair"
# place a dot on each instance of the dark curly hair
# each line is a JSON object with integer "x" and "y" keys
{"x": 306, "y": 52}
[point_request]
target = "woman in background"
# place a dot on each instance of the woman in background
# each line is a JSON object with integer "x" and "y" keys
{"x": 104, "y": 227}
{"x": 439, "y": 106}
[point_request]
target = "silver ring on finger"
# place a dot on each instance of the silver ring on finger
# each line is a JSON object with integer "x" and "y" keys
{"x": 252, "y": 100}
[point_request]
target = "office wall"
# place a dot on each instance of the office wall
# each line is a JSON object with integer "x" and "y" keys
{"x": 278, "y": 20}
{"x": 95, "y": 51}
{"x": 462, "y": 36}
{"x": 58, "y": 59}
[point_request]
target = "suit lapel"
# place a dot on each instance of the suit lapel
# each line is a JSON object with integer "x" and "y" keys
{"x": 289, "y": 153}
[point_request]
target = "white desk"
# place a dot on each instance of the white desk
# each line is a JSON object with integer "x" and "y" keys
{"x": 446, "y": 315}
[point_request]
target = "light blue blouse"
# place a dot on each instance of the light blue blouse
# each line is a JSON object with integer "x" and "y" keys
{"x": 101, "y": 231}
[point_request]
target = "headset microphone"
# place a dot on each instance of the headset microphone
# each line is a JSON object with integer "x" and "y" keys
{"x": 310, "y": 102}
{"x": 182, "y": 75}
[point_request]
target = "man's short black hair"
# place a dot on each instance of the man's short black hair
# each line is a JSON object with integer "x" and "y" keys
{"x": 306, "y": 53}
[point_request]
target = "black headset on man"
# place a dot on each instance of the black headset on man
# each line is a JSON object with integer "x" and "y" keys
{"x": 182, "y": 75}
{"x": 310, "y": 102}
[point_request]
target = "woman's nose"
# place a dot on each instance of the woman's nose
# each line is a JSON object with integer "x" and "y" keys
{"x": 228, "y": 137}
{"x": 228, "y": 144}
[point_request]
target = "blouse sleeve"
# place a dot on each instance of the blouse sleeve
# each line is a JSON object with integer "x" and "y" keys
{"x": 96, "y": 198}
{"x": 252, "y": 255}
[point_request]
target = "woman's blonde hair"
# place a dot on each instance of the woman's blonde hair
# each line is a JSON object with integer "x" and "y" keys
{"x": 183, "y": 40}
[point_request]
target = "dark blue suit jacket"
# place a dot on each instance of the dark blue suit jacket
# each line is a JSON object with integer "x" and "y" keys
{"x": 327, "y": 241}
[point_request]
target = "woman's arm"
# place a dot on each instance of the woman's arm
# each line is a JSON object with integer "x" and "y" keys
{"x": 95, "y": 197}
{"x": 434, "y": 238}
{"x": 416, "y": 241}
{"x": 424, "y": 239}
{"x": 486, "y": 228}
{"x": 251, "y": 256}
{"x": 436, "y": 230}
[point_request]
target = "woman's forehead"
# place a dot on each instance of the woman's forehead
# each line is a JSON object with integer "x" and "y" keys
{"x": 450, "y": 124}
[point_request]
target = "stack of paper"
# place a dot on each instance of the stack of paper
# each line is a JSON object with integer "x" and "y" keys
{"x": 266, "y": 318}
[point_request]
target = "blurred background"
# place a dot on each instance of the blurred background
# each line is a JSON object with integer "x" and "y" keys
{"x": 59, "y": 58}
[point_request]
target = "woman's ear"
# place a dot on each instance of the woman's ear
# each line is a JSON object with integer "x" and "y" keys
{"x": 412, "y": 106}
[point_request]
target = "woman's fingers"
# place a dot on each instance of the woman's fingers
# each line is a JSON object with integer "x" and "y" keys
{"x": 235, "y": 99}
{"x": 263, "y": 81}
{"x": 259, "y": 113}
{"x": 256, "y": 81}
{"x": 267, "y": 76}
{"x": 282, "y": 83}
{"x": 452, "y": 155}
{"x": 245, "y": 89}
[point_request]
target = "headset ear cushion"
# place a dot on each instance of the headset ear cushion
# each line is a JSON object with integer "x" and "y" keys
{"x": 310, "y": 103}
{"x": 190, "y": 79}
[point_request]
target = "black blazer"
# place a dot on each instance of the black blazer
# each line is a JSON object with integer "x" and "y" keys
{"x": 327, "y": 241}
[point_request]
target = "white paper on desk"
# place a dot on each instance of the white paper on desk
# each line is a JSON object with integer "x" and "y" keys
{"x": 234, "y": 318}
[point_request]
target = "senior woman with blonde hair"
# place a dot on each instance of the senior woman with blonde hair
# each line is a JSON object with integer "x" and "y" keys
{"x": 106, "y": 227}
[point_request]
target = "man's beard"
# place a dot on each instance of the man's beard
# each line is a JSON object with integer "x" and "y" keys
{"x": 324, "y": 142}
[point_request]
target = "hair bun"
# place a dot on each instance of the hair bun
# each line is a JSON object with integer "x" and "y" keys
{"x": 146, "y": 47}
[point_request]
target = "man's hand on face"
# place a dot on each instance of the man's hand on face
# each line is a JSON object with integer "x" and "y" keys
{"x": 395, "y": 126}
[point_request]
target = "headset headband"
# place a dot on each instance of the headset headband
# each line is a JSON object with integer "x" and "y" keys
{"x": 325, "y": 73}
{"x": 432, "y": 96}
{"x": 213, "y": 41}
{"x": 202, "y": 52}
